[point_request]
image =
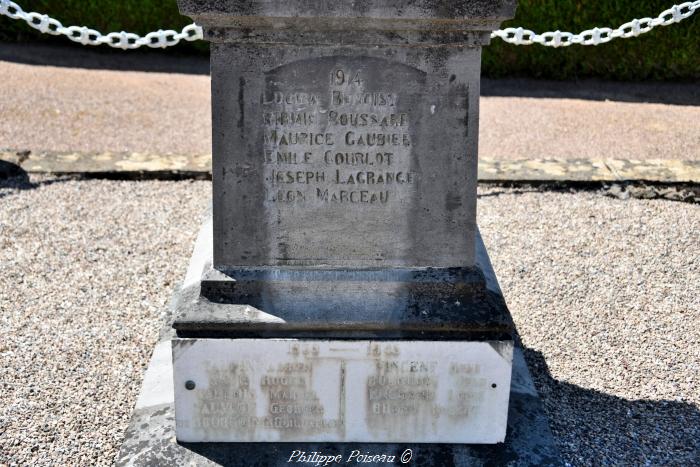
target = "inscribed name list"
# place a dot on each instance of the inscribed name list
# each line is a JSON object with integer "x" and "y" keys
{"x": 289, "y": 390}
{"x": 345, "y": 141}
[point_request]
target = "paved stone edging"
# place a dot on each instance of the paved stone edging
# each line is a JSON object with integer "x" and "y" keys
{"x": 529, "y": 170}
{"x": 106, "y": 162}
{"x": 590, "y": 170}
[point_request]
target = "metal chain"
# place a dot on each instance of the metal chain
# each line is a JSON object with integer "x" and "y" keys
{"x": 86, "y": 36}
{"x": 193, "y": 32}
{"x": 596, "y": 36}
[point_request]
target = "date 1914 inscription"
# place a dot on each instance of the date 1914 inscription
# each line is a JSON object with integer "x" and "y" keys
{"x": 289, "y": 390}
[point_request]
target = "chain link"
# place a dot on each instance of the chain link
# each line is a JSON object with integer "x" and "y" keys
{"x": 597, "y": 36}
{"x": 86, "y": 36}
{"x": 193, "y": 32}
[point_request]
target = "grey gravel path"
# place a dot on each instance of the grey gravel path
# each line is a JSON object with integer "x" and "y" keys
{"x": 606, "y": 297}
{"x": 85, "y": 270}
{"x": 605, "y": 293}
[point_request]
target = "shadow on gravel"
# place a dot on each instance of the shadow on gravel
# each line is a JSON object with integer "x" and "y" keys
{"x": 104, "y": 58}
{"x": 594, "y": 428}
{"x": 14, "y": 179}
{"x": 512, "y": 191}
{"x": 11, "y": 170}
{"x": 596, "y": 90}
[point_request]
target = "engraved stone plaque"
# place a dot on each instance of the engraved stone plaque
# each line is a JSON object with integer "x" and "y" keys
{"x": 235, "y": 390}
{"x": 328, "y": 158}
{"x": 340, "y": 144}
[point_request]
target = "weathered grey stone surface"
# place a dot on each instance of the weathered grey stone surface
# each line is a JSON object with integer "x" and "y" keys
{"x": 344, "y": 174}
{"x": 377, "y": 171}
{"x": 367, "y": 22}
{"x": 345, "y": 135}
{"x": 344, "y": 206}
{"x": 377, "y": 304}
{"x": 478, "y": 12}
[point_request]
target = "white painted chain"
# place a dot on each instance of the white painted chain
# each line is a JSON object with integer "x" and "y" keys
{"x": 596, "y": 36}
{"x": 193, "y": 32}
{"x": 86, "y": 36}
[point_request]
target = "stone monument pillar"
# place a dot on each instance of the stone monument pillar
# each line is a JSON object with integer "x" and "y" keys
{"x": 343, "y": 293}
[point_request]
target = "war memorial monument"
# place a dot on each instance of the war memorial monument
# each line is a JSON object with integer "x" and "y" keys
{"x": 340, "y": 301}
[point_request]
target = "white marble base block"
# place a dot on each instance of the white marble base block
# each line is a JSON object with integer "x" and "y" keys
{"x": 272, "y": 390}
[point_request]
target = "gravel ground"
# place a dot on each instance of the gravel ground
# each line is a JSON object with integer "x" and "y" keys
{"x": 606, "y": 297}
{"x": 85, "y": 270}
{"x": 605, "y": 293}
